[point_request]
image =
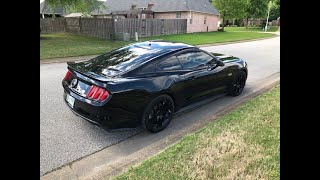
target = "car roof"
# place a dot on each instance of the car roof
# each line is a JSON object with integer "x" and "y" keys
{"x": 128, "y": 58}
{"x": 162, "y": 45}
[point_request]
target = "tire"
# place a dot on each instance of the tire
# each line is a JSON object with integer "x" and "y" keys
{"x": 238, "y": 85}
{"x": 158, "y": 114}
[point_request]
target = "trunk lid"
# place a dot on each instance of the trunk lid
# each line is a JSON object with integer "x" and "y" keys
{"x": 82, "y": 82}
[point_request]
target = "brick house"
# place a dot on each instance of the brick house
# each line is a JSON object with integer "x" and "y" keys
{"x": 200, "y": 14}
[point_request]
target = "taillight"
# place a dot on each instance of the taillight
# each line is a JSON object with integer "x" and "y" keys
{"x": 92, "y": 91}
{"x": 104, "y": 96}
{"x": 67, "y": 75}
{"x": 96, "y": 92}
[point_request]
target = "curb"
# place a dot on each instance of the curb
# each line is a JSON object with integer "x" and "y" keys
{"x": 83, "y": 58}
{"x": 111, "y": 169}
{"x": 108, "y": 171}
{"x": 235, "y": 42}
{"x": 67, "y": 59}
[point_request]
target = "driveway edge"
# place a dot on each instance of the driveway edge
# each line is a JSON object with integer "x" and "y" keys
{"x": 82, "y": 58}
{"x": 106, "y": 172}
{"x": 111, "y": 169}
{"x": 235, "y": 42}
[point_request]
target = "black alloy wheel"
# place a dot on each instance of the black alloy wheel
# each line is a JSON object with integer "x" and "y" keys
{"x": 158, "y": 114}
{"x": 239, "y": 84}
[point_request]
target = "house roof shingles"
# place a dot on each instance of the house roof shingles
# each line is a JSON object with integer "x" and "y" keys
{"x": 203, "y": 6}
{"x": 45, "y": 9}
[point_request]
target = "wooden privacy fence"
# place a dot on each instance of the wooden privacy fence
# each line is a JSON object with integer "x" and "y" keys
{"x": 96, "y": 27}
{"x": 106, "y": 28}
{"x": 49, "y": 25}
{"x": 151, "y": 27}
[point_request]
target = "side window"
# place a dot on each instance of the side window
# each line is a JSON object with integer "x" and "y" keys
{"x": 149, "y": 68}
{"x": 169, "y": 64}
{"x": 191, "y": 60}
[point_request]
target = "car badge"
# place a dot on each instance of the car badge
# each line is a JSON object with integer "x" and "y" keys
{"x": 73, "y": 83}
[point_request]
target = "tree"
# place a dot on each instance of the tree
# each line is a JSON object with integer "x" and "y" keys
{"x": 255, "y": 9}
{"x": 83, "y": 6}
{"x": 271, "y": 6}
{"x": 229, "y": 9}
{"x": 275, "y": 12}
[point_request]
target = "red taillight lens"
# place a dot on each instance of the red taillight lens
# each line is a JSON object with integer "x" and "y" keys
{"x": 92, "y": 91}
{"x": 67, "y": 76}
{"x": 104, "y": 96}
{"x": 96, "y": 92}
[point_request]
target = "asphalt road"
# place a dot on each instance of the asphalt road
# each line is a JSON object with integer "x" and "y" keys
{"x": 65, "y": 137}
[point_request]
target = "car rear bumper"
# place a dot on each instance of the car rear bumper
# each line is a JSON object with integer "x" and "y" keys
{"x": 105, "y": 116}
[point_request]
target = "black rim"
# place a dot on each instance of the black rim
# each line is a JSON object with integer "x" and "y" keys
{"x": 159, "y": 116}
{"x": 239, "y": 85}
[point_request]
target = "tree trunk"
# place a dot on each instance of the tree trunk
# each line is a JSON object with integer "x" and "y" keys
{"x": 222, "y": 24}
{"x": 247, "y": 23}
{"x": 224, "y": 15}
{"x": 53, "y": 10}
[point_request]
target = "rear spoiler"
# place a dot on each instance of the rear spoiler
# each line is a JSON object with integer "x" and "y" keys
{"x": 90, "y": 75}
{"x": 70, "y": 63}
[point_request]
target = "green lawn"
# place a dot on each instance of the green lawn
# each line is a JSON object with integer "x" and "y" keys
{"x": 256, "y": 29}
{"x": 66, "y": 45}
{"x": 243, "y": 144}
{"x": 212, "y": 37}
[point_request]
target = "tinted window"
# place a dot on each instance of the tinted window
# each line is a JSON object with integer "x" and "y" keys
{"x": 194, "y": 59}
{"x": 169, "y": 64}
{"x": 120, "y": 60}
{"x": 148, "y": 68}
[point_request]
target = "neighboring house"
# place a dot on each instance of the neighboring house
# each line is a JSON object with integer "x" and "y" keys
{"x": 77, "y": 15}
{"x": 46, "y": 11}
{"x": 200, "y": 14}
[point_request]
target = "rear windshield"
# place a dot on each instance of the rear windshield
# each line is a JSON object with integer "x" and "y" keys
{"x": 122, "y": 59}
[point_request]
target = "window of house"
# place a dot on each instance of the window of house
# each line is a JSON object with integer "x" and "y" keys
{"x": 178, "y": 15}
{"x": 190, "y": 21}
{"x": 205, "y": 20}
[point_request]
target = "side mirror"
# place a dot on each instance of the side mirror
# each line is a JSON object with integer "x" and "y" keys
{"x": 220, "y": 63}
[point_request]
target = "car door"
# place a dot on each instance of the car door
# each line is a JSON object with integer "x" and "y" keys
{"x": 196, "y": 76}
{"x": 202, "y": 76}
{"x": 220, "y": 76}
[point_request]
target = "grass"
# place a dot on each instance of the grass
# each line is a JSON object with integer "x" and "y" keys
{"x": 243, "y": 144}
{"x": 254, "y": 29}
{"x": 212, "y": 37}
{"x": 67, "y": 45}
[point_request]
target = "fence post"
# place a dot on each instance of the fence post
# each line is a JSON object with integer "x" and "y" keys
{"x": 113, "y": 29}
{"x": 151, "y": 33}
{"x": 65, "y": 24}
{"x": 80, "y": 28}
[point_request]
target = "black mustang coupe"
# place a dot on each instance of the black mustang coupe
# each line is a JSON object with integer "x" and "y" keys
{"x": 146, "y": 83}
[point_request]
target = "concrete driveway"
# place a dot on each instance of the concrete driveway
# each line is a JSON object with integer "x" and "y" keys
{"x": 65, "y": 137}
